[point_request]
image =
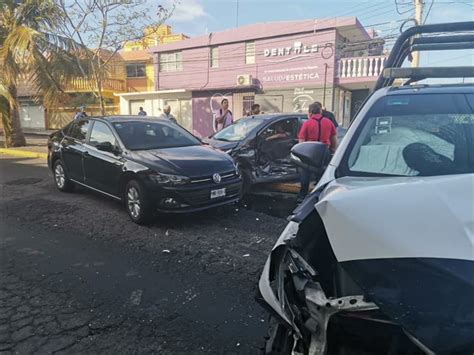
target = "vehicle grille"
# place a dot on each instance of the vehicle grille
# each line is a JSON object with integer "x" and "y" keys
{"x": 206, "y": 179}
{"x": 203, "y": 196}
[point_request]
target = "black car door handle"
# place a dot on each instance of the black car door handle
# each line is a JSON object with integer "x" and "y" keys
{"x": 86, "y": 155}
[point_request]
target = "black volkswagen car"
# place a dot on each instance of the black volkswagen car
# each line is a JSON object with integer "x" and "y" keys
{"x": 149, "y": 164}
{"x": 261, "y": 146}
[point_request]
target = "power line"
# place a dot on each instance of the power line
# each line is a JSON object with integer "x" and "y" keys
{"x": 429, "y": 10}
{"x": 402, "y": 12}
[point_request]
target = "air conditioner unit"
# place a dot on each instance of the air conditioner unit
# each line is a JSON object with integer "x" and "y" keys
{"x": 244, "y": 80}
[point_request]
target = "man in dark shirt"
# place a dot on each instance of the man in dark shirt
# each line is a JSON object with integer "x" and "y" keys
{"x": 330, "y": 115}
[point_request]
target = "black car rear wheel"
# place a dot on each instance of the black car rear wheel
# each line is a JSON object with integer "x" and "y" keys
{"x": 60, "y": 177}
{"x": 137, "y": 204}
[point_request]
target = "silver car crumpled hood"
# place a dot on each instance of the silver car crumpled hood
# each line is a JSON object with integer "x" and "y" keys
{"x": 408, "y": 243}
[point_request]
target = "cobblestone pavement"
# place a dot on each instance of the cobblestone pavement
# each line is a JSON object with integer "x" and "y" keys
{"x": 77, "y": 276}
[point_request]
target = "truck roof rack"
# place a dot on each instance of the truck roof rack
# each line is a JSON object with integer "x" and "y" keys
{"x": 417, "y": 74}
{"x": 434, "y": 37}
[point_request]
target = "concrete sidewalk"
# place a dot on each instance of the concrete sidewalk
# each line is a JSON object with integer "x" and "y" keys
{"x": 36, "y": 147}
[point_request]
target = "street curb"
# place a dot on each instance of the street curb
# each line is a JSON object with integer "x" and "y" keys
{"x": 23, "y": 153}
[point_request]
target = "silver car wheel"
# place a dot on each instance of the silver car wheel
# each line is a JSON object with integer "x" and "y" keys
{"x": 59, "y": 176}
{"x": 133, "y": 202}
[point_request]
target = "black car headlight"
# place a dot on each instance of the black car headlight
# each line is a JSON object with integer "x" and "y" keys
{"x": 169, "y": 179}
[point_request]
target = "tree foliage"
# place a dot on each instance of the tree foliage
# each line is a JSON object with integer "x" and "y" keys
{"x": 104, "y": 26}
{"x": 33, "y": 53}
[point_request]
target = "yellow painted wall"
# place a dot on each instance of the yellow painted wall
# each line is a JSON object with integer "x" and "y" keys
{"x": 150, "y": 76}
{"x": 154, "y": 36}
{"x": 173, "y": 38}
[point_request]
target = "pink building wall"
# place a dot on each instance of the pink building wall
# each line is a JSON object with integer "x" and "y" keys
{"x": 269, "y": 71}
{"x": 294, "y": 55}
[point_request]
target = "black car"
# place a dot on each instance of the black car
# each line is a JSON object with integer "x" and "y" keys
{"x": 149, "y": 164}
{"x": 261, "y": 146}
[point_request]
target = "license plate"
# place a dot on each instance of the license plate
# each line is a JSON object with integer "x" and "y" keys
{"x": 217, "y": 193}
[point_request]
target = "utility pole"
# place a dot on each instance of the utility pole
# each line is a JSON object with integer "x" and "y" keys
{"x": 419, "y": 4}
{"x": 237, "y": 14}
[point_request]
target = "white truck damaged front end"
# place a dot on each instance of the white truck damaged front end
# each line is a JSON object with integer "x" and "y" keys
{"x": 288, "y": 282}
{"x": 338, "y": 261}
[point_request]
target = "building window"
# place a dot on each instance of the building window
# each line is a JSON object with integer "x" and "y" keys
{"x": 136, "y": 70}
{"x": 250, "y": 53}
{"x": 214, "y": 57}
{"x": 171, "y": 62}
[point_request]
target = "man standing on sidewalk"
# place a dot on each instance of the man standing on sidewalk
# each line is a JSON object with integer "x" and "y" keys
{"x": 167, "y": 114}
{"x": 224, "y": 117}
{"x": 141, "y": 112}
{"x": 81, "y": 113}
{"x": 316, "y": 129}
{"x": 330, "y": 115}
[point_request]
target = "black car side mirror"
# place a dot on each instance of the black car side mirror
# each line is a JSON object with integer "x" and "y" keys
{"x": 108, "y": 147}
{"x": 310, "y": 155}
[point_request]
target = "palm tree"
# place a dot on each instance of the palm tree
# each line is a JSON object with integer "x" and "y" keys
{"x": 30, "y": 49}
{"x": 5, "y": 107}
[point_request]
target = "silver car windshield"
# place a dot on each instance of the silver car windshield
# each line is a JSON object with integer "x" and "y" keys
{"x": 415, "y": 135}
{"x": 238, "y": 130}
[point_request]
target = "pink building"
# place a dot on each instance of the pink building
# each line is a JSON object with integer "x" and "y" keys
{"x": 283, "y": 66}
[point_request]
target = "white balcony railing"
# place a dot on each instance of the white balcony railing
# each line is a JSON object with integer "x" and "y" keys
{"x": 360, "y": 67}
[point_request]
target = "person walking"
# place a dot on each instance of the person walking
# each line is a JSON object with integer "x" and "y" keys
{"x": 316, "y": 129}
{"x": 141, "y": 112}
{"x": 167, "y": 114}
{"x": 225, "y": 117}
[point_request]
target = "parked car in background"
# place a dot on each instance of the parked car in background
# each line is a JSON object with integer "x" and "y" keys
{"x": 148, "y": 164}
{"x": 261, "y": 146}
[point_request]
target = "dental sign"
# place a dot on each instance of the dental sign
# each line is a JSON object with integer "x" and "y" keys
{"x": 297, "y": 49}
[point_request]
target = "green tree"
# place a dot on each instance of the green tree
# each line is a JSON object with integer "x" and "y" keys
{"x": 31, "y": 51}
{"x": 104, "y": 26}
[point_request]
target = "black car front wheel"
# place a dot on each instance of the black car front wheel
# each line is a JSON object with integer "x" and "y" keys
{"x": 137, "y": 204}
{"x": 61, "y": 178}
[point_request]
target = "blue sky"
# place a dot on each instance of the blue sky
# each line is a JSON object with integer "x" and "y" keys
{"x": 197, "y": 17}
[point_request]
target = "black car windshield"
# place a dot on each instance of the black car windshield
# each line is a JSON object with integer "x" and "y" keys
{"x": 137, "y": 135}
{"x": 414, "y": 135}
{"x": 238, "y": 130}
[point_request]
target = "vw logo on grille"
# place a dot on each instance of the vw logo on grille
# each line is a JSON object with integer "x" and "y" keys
{"x": 216, "y": 178}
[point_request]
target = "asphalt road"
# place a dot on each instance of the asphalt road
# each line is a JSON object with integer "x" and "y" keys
{"x": 77, "y": 276}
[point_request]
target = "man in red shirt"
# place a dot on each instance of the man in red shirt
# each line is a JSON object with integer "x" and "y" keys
{"x": 316, "y": 129}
